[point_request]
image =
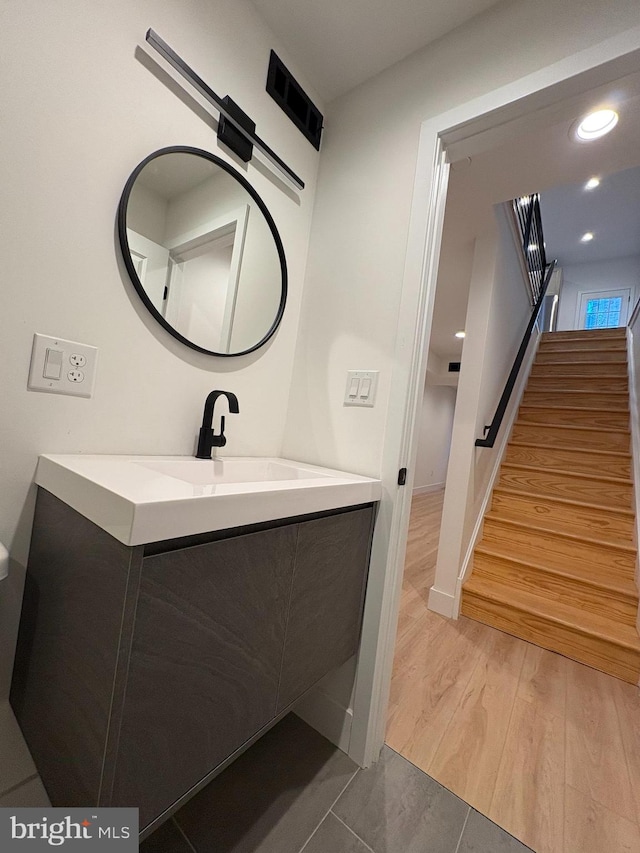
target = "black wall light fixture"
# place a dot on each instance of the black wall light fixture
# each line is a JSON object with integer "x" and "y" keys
{"x": 235, "y": 128}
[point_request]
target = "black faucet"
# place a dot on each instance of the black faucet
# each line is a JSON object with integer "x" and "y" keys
{"x": 207, "y": 438}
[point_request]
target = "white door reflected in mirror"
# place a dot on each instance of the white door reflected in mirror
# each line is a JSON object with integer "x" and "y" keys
{"x": 192, "y": 280}
{"x": 151, "y": 262}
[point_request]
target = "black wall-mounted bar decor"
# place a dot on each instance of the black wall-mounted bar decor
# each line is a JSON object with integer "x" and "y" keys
{"x": 235, "y": 129}
{"x": 229, "y": 133}
{"x": 291, "y": 97}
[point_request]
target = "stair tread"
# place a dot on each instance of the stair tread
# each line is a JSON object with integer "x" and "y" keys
{"x": 567, "y": 344}
{"x": 587, "y": 392}
{"x": 567, "y": 501}
{"x": 586, "y": 450}
{"x": 568, "y": 377}
{"x": 624, "y": 586}
{"x": 581, "y": 361}
{"x": 575, "y": 382}
{"x": 580, "y": 409}
{"x": 581, "y": 346}
{"x": 564, "y": 362}
{"x": 552, "y": 531}
{"x": 566, "y": 383}
{"x": 572, "y": 426}
{"x": 610, "y": 332}
{"x": 559, "y": 398}
{"x": 573, "y": 617}
{"x": 567, "y": 459}
{"x": 603, "y": 478}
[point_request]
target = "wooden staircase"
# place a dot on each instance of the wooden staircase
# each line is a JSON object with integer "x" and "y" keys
{"x": 556, "y": 562}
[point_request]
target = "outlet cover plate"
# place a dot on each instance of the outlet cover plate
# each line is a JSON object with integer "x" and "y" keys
{"x": 78, "y": 367}
{"x": 361, "y": 388}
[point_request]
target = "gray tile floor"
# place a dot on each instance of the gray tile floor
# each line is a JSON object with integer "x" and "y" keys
{"x": 293, "y": 791}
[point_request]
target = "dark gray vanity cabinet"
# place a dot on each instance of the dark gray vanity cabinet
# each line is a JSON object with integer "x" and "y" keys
{"x": 80, "y": 581}
{"x": 205, "y": 662}
{"x": 325, "y": 613}
{"x": 142, "y": 670}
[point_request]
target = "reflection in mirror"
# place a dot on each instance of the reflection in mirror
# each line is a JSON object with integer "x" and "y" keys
{"x": 203, "y": 251}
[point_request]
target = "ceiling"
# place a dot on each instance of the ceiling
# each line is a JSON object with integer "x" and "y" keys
{"x": 611, "y": 212}
{"x": 171, "y": 175}
{"x": 339, "y": 44}
{"x": 548, "y": 161}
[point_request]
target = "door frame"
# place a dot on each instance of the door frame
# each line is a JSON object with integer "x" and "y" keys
{"x": 458, "y": 133}
{"x": 616, "y": 291}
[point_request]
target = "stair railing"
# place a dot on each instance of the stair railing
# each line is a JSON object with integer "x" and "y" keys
{"x": 527, "y": 211}
{"x": 529, "y": 218}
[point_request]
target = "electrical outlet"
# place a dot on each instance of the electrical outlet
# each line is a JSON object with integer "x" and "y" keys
{"x": 55, "y": 366}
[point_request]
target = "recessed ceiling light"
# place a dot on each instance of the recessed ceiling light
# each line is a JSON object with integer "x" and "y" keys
{"x": 587, "y": 237}
{"x": 459, "y": 334}
{"x": 592, "y": 183}
{"x": 596, "y": 124}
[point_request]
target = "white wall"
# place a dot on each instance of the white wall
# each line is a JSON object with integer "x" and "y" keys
{"x": 360, "y": 231}
{"x": 357, "y": 251}
{"x": 436, "y": 423}
{"x": 497, "y": 315}
{"x": 147, "y": 213}
{"x": 613, "y": 274}
{"x": 82, "y": 106}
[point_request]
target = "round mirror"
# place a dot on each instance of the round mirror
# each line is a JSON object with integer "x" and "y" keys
{"x": 203, "y": 251}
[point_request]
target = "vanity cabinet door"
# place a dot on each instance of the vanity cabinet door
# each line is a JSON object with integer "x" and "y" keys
{"x": 327, "y": 598}
{"x": 205, "y": 663}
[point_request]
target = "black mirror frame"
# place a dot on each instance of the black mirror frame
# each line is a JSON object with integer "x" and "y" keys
{"x": 126, "y": 252}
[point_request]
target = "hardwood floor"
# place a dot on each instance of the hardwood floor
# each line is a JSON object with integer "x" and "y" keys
{"x": 546, "y": 747}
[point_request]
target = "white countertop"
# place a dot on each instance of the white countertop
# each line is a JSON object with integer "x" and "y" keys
{"x": 140, "y": 499}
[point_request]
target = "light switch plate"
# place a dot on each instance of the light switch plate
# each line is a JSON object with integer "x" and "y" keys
{"x": 361, "y": 388}
{"x": 77, "y": 373}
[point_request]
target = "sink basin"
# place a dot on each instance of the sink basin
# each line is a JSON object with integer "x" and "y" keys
{"x": 141, "y": 499}
{"x": 205, "y": 472}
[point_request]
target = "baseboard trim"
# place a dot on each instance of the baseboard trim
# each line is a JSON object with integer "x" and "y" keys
{"x": 442, "y": 602}
{"x": 424, "y": 490}
{"x": 326, "y": 716}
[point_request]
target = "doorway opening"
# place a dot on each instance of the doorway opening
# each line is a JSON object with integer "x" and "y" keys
{"x": 468, "y": 702}
{"x": 464, "y": 132}
{"x": 605, "y": 310}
